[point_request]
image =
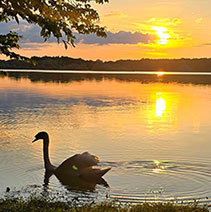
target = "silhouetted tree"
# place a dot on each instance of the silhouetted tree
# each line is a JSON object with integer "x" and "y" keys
{"x": 67, "y": 63}
{"x": 57, "y": 18}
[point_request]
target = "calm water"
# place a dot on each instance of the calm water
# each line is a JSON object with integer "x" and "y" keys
{"x": 154, "y": 131}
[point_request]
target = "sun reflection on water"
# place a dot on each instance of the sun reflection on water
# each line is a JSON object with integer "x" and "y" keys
{"x": 160, "y": 107}
{"x": 160, "y": 73}
{"x": 158, "y": 168}
{"x": 161, "y": 112}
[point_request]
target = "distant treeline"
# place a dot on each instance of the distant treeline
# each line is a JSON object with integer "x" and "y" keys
{"x": 67, "y": 63}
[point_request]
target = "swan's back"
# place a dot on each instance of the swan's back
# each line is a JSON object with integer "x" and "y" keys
{"x": 80, "y": 161}
{"x": 81, "y": 165}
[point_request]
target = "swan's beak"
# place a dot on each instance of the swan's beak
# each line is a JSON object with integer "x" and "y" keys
{"x": 35, "y": 140}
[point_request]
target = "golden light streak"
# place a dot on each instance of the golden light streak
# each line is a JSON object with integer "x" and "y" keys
{"x": 160, "y": 73}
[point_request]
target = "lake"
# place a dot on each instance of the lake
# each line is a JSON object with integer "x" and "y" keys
{"x": 153, "y": 130}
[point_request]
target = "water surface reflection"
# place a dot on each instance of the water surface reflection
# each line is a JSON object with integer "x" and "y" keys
{"x": 154, "y": 134}
{"x": 146, "y": 77}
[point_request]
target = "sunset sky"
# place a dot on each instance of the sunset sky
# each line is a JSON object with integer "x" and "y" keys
{"x": 136, "y": 29}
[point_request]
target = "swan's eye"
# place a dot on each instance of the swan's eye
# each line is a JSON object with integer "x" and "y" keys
{"x": 75, "y": 167}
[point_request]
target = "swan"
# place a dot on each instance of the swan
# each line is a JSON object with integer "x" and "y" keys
{"x": 79, "y": 165}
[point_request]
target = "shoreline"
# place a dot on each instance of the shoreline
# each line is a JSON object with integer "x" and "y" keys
{"x": 148, "y": 65}
{"x": 132, "y": 72}
{"x": 43, "y": 204}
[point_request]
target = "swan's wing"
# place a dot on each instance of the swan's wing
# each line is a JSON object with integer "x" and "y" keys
{"x": 80, "y": 165}
{"x": 86, "y": 159}
{"x": 79, "y": 161}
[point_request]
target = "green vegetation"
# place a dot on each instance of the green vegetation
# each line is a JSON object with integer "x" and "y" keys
{"x": 67, "y": 63}
{"x": 57, "y": 18}
{"x": 43, "y": 205}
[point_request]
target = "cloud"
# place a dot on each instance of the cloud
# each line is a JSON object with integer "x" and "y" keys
{"x": 165, "y": 21}
{"x": 204, "y": 44}
{"x": 176, "y": 21}
{"x": 34, "y": 46}
{"x": 116, "y": 14}
{"x": 199, "y": 20}
{"x": 121, "y": 37}
{"x": 31, "y": 34}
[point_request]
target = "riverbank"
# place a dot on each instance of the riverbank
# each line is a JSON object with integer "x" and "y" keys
{"x": 144, "y": 64}
{"x": 45, "y": 205}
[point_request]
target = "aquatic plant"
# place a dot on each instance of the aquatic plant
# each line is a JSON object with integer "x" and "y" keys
{"x": 41, "y": 204}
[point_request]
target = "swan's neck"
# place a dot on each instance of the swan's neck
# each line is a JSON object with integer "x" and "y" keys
{"x": 47, "y": 163}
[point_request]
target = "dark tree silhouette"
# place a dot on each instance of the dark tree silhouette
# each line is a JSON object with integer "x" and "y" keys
{"x": 57, "y": 18}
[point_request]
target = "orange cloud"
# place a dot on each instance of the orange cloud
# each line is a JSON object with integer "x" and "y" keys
{"x": 199, "y": 20}
{"x": 115, "y": 14}
{"x": 164, "y": 21}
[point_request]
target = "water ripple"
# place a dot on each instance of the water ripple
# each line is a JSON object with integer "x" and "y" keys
{"x": 177, "y": 180}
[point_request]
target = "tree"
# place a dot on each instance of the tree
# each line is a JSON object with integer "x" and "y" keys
{"x": 57, "y": 18}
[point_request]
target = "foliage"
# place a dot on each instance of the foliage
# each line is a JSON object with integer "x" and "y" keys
{"x": 67, "y": 63}
{"x": 43, "y": 205}
{"x": 9, "y": 41}
{"x": 57, "y": 18}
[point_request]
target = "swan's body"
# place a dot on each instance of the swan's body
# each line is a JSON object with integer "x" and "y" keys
{"x": 79, "y": 165}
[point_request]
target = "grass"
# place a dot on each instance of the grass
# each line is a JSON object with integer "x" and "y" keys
{"x": 39, "y": 204}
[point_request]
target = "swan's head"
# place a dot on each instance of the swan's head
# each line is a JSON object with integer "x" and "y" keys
{"x": 40, "y": 135}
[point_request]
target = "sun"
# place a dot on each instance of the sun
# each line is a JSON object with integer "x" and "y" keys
{"x": 162, "y": 34}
